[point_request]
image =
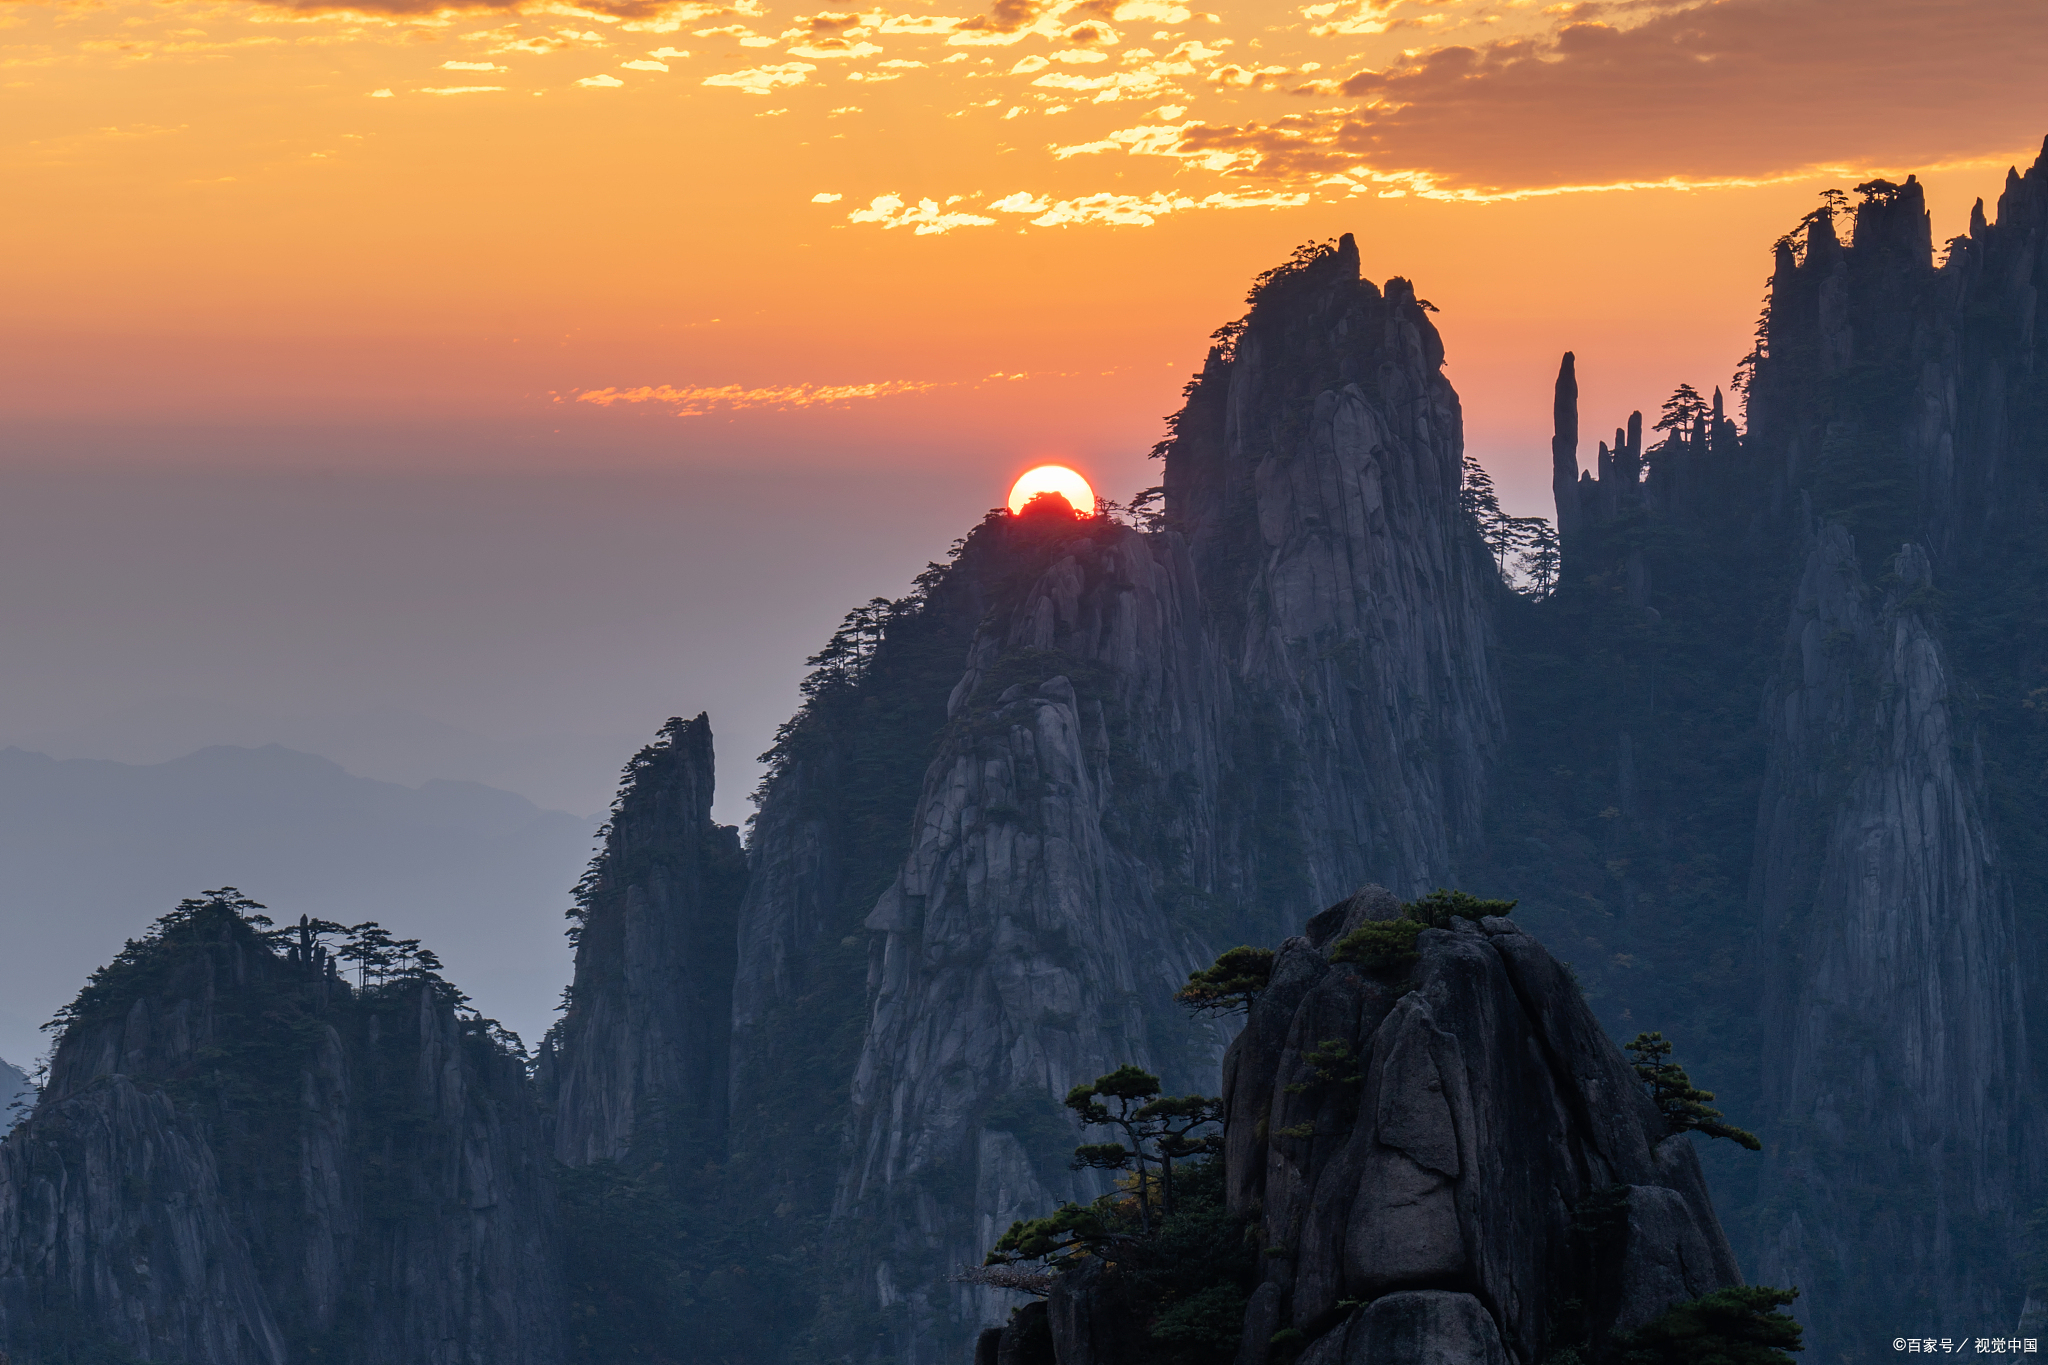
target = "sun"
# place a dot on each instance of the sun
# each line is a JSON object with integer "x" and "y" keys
{"x": 1053, "y": 478}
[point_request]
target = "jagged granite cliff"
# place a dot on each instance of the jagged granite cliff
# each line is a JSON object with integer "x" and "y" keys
{"x": 1163, "y": 740}
{"x": 1897, "y": 1064}
{"x": 238, "y": 1158}
{"x": 1899, "y": 399}
{"x": 642, "y": 1052}
{"x": 1774, "y": 772}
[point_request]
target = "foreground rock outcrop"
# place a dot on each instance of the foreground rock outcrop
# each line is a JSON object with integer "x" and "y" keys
{"x": 241, "y": 1159}
{"x": 1448, "y": 1162}
{"x": 1488, "y": 1157}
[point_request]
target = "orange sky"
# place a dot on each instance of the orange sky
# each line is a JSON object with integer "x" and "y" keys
{"x": 298, "y": 216}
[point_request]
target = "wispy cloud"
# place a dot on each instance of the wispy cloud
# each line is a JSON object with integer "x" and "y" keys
{"x": 761, "y": 80}
{"x": 928, "y": 217}
{"x": 698, "y": 400}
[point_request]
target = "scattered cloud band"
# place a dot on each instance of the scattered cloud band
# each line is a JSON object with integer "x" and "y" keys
{"x": 697, "y": 400}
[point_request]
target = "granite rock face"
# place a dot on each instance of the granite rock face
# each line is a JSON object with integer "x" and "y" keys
{"x": 1896, "y": 1057}
{"x": 1449, "y": 1166}
{"x": 1315, "y": 473}
{"x": 247, "y": 1162}
{"x": 1798, "y": 674}
{"x": 1448, "y": 1179}
{"x": 644, "y": 1049}
{"x": 1878, "y": 871}
{"x": 1027, "y": 939}
{"x": 1167, "y": 740}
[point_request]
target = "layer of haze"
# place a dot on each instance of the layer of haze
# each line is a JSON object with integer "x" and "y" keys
{"x": 457, "y": 394}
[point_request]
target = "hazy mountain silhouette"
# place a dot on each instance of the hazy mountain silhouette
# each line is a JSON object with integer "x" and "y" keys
{"x": 572, "y": 771}
{"x": 91, "y": 849}
{"x": 13, "y": 1086}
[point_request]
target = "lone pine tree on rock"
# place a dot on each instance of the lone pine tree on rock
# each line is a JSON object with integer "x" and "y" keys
{"x": 1683, "y": 1105}
{"x": 1230, "y": 984}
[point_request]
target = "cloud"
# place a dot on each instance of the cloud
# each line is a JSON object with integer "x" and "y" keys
{"x": 1244, "y": 77}
{"x": 1719, "y": 90}
{"x": 601, "y": 82}
{"x": 926, "y": 218}
{"x": 747, "y": 37}
{"x": 1006, "y": 16}
{"x": 1131, "y": 210}
{"x": 826, "y": 48}
{"x": 826, "y": 198}
{"x": 697, "y": 400}
{"x": 657, "y": 15}
{"x": 1151, "y": 139}
{"x": 644, "y": 64}
{"x": 471, "y": 66}
{"x": 1149, "y": 12}
{"x": 761, "y": 80}
{"x": 1355, "y": 18}
{"x": 1112, "y": 210}
{"x": 931, "y": 24}
{"x": 510, "y": 39}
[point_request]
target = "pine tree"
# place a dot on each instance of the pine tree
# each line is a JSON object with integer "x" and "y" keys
{"x": 1735, "y": 1326}
{"x": 1232, "y": 983}
{"x": 1479, "y": 501}
{"x": 1541, "y": 558}
{"x": 1683, "y": 1105}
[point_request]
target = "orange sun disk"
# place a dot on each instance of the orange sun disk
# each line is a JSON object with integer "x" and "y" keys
{"x": 1053, "y": 478}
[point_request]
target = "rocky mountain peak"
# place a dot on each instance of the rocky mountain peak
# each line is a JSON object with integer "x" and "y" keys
{"x": 642, "y": 1053}
{"x": 243, "y": 1158}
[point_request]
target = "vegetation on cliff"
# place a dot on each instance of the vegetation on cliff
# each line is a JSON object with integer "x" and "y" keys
{"x": 1169, "y": 1263}
{"x": 224, "y": 1101}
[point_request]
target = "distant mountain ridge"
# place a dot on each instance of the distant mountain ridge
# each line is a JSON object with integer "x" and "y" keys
{"x": 88, "y": 847}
